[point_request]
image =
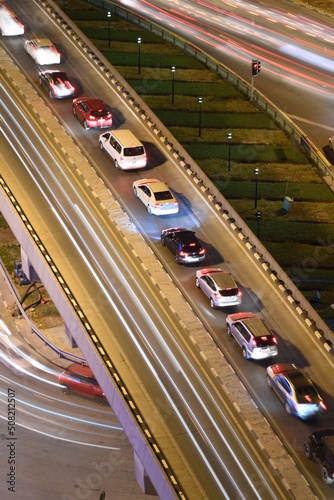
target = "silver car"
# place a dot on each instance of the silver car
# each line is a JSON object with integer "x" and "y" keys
{"x": 295, "y": 390}
{"x": 252, "y": 334}
{"x": 219, "y": 286}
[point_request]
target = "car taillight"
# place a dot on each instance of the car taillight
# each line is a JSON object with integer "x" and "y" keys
{"x": 322, "y": 405}
{"x": 176, "y": 203}
{"x": 92, "y": 117}
{"x": 254, "y": 343}
{"x": 239, "y": 293}
{"x": 183, "y": 254}
{"x": 157, "y": 205}
{"x": 121, "y": 159}
{"x": 308, "y": 398}
{"x": 274, "y": 339}
{"x": 201, "y": 252}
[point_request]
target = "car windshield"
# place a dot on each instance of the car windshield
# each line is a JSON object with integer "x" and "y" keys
{"x": 100, "y": 114}
{"x": 265, "y": 340}
{"x": 229, "y": 292}
{"x": 301, "y": 392}
{"x": 303, "y": 388}
{"x": 134, "y": 151}
{"x": 163, "y": 195}
{"x": 191, "y": 247}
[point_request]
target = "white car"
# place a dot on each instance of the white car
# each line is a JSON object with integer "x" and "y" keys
{"x": 219, "y": 286}
{"x": 9, "y": 24}
{"x": 42, "y": 51}
{"x": 156, "y": 196}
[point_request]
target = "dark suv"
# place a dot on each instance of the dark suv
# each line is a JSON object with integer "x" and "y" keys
{"x": 320, "y": 445}
{"x": 183, "y": 244}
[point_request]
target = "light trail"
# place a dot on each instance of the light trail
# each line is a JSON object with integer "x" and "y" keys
{"x": 28, "y": 161}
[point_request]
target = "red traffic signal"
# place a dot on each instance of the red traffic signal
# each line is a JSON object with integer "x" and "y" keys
{"x": 256, "y": 67}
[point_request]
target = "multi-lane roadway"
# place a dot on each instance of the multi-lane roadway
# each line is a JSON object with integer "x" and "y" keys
{"x": 293, "y": 43}
{"x": 90, "y": 253}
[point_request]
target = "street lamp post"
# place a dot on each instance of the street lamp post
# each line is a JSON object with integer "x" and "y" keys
{"x": 109, "y": 17}
{"x": 173, "y": 72}
{"x": 256, "y": 172}
{"x": 200, "y": 100}
{"x": 258, "y": 216}
{"x": 229, "y": 136}
{"x": 139, "y": 42}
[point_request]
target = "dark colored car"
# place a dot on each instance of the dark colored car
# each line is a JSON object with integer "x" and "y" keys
{"x": 57, "y": 84}
{"x": 320, "y": 446}
{"x": 295, "y": 390}
{"x": 80, "y": 379}
{"x": 92, "y": 112}
{"x": 183, "y": 244}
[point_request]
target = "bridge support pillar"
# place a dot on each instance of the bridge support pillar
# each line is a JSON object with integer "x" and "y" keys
{"x": 27, "y": 267}
{"x": 70, "y": 338}
{"x": 142, "y": 477}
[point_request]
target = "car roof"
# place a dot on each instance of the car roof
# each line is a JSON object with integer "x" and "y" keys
{"x": 241, "y": 316}
{"x": 257, "y": 327}
{"x": 58, "y": 75}
{"x": 298, "y": 379}
{"x": 174, "y": 230}
{"x": 93, "y": 102}
{"x": 223, "y": 279}
{"x": 158, "y": 186}
{"x": 284, "y": 368}
{"x": 41, "y": 41}
{"x": 187, "y": 236}
{"x": 129, "y": 140}
{"x": 79, "y": 370}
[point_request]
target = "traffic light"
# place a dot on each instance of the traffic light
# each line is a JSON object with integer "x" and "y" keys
{"x": 258, "y": 67}
{"x": 255, "y": 67}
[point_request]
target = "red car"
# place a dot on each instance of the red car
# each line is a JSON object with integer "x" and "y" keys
{"x": 80, "y": 379}
{"x": 93, "y": 112}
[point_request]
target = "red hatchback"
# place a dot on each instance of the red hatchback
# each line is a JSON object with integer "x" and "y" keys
{"x": 80, "y": 379}
{"x": 92, "y": 112}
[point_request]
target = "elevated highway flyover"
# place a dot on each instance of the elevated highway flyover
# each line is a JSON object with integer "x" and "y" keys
{"x": 193, "y": 426}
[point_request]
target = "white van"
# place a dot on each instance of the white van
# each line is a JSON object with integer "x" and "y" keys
{"x": 124, "y": 148}
{"x": 9, "y": 24}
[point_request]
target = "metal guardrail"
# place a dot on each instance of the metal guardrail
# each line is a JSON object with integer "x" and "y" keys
{"x": 61, "y": 353}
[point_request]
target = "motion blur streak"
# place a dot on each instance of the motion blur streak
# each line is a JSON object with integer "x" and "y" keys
{"x": 62, "y": 415}
{"x": 233, "y": 28}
